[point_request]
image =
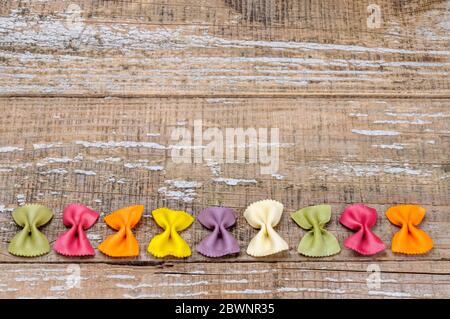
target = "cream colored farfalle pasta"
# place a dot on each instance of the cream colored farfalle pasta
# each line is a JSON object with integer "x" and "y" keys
{"x": 265, "y": 215}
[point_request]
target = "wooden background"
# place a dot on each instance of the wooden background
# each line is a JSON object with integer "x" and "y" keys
{"x": 88, "y": 107}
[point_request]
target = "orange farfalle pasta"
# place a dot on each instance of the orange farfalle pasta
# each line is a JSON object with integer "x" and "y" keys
{"x": 123, "y": 243}
{"x": 409, "y": 239}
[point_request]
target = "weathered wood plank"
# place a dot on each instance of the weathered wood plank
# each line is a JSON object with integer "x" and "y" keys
{"x": 232, "y": 47}
{"x": 109, "y": 153}
{"x": 232, "y": 280}
{"x": 366, "y": 146}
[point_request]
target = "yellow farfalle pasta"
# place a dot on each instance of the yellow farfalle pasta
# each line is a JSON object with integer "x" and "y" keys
{"x": 265, "y": 215}
{"x": 169, "y": 242}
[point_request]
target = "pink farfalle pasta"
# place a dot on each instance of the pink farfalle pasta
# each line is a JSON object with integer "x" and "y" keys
{"x": 220, "y": 242}
{"x": 361, "y": 218}
{"x": 74, "y": 242}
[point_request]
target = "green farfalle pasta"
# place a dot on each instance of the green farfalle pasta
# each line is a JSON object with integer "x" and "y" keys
{"x": 317, "y": 242}
{"x": 30, "y": 242}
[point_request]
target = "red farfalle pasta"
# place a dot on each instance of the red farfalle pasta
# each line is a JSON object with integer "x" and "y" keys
{"x": 74, "y": 242}
{"x": 361, "y": 219}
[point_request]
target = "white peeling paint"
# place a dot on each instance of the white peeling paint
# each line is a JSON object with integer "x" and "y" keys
{"x": 185, "y": 284}
{"x": 3, "y": 209}
{"x": 191, "y": 294}
{"x": 132, "y": 287}
{"x": 124, "y": 144}
{"x": 180, "y": 189}
{"x": 247, "y": 291}
{"x": 359, "y": 114}
{"x": 258, "y": 271}
{"x": 54, "y": 171}
{"x": 10, "y": 149}
{"x": 303, "y": 289}
{"x": 224, "y": 101}
{"x": 94, "y": 236}
{"x": 21, "y": 199}
{"x": 25, "y": 270}
{"x": 369, "y": 170}
{"x": 143, "y": 166}
{"x": 13, "y": 167}
{"x": 179, "y": 195}
{"x": 278, "y": 176}
{"x": 46, "y": 146}
{"x": 397, "y": 294}
{"x": 131, "y": 39}
{"x": 235, "y": 181}
{"x": 214, "y": 167}
{"x": 394, "y": 146}
{"x": 108, "y": 160}
{"x": 84, "y": 172}
{"x": 52, "y": 33}
{"x": 415, "y": 122}
{"x": 246, "y": 145}
{"x": 432, "y": 115}
{"x": 121, "y": 276}
{"x": 235, "y": 281}
{"x": 312, "y": 46}
{"x": 56, "y": 160}
{"x": 404, "y": 170}
{"x": 376, "y": 132}
{"x": 183, "y": 184}
{"x": 142, "y": 296}
{"x": 153, "y": 134}
{"x": 336, "y": 280}
{"x": 26, "y": 278}
{"x": 8, "y": 289}
{"x": 186, "y": 147}
{"x": 112, "y": 179}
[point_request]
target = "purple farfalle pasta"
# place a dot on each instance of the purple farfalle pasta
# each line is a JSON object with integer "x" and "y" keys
{"x": 220, "y": 242}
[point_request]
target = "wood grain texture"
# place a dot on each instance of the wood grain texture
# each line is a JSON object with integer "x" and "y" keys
{"x": 327, "y": 155}
{"x": 210, "y": 280}
{"x": 88, "y": 109}
{"x": 229, "y": 47}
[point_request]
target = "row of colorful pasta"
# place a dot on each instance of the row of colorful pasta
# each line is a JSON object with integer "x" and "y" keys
{"x": 263, "y": 215}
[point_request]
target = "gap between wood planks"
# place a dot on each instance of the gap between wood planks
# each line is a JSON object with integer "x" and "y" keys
{"x": 337, "y": 95}
{"x": 173, "y": 263}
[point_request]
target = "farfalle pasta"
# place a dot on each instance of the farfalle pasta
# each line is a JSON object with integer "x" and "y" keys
{"x": 317, "y": 242}
{"x": 30, "y": 242}
{"x": 265, "y": 215}
{"x": 169, "y": 242}
{"x": 409, "y": 239}
{"x": 220, "y": 242}
{"x": 123, "y": 243}
{"x": 74, "y": 242}
{"x": 361, "y": 218}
